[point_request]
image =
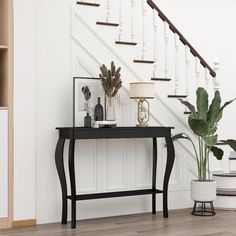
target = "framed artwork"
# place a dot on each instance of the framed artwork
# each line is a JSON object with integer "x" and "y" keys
{"x": 86, "y": 91}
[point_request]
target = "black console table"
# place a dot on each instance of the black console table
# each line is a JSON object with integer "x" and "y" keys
{"x": 111, "y": 133}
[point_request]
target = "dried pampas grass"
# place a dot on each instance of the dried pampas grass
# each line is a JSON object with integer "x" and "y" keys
{"x": 111, "y": 81}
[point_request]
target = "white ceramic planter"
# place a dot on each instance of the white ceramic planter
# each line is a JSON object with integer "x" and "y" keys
{"x": 203, "y": 191}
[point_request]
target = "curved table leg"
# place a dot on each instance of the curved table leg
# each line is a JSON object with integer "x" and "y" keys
{"x": 169, "y": 166}
{"x": 72, "y": 182}
{"x": 154, "y": 174}
{"x": 62, "y": 177}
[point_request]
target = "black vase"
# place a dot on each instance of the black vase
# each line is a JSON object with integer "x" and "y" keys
{"x": 98, "y": 112}
{"x": 87, "y": 121}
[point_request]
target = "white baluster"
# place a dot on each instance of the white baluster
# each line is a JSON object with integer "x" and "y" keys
{"x": 144, "y": 51}
{"x": 155, "y": 43}
{"x": 166, "y": 35}
{"x": 108, "y": 11}
{"x": 207, "y": 80}
{"x": 132, "y": 21}
{"x": 177, "y": 75}
{"x": 187, "y": 64}
{"x": 216, "y": 84}
{"x": 197, "y": 71}
{"x": 121, "y": 24}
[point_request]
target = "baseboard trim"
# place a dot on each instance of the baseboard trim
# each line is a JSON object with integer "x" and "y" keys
{"x": 3, "y": 223}
{"x": 23, "y": 223}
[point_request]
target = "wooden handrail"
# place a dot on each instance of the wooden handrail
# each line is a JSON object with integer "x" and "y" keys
{"x": 181, "y": 37}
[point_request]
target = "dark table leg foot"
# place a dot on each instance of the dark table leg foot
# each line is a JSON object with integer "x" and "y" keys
{"x": 61, "y": 173}
{"x": 169, "y": 166}
{"x": 72, "y": 182}
{"x": 154, "y": 174}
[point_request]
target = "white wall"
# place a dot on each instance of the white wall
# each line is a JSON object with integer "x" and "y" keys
{"x": 24, "y": 109}
{"x": 53, "y": 99}
{"x": 37, "y": 191}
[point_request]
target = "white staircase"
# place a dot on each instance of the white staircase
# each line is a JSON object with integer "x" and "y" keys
{"x": 139, "y": 37}
{"x": 143, "y": 39}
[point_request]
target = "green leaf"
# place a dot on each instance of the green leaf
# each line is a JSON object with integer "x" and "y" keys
{"x": 198, "y": 126}
{"x": 231, "y": 143}
{"x": 188, "y": 105}
{"x": 179, "y": 136}
{"x": 217, "y": 152}
{"x": 214, "y": 110}
{"x": 220, "y": 113}
{"x": 210, "y": 140}
{"x": 202, "y": 103}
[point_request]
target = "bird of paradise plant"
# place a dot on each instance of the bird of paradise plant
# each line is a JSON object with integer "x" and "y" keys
{"x": 203, "y": 120}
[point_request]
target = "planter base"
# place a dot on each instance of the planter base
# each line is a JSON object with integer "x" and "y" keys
{"x": 201, "y": 209}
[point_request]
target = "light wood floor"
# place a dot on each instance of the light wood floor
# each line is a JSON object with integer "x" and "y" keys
{"x": 180, "y": 223}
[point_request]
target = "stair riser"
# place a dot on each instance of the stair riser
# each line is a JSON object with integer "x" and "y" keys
{"x": 225, "y": 182}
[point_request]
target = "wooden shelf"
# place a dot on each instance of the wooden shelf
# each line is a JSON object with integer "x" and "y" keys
{"x": 3, "y": 47}
{"x": 3, "y": 108}
{"x": 4, "y": 78}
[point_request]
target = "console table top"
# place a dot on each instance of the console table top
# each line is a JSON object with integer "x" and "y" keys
{"x": 113, "y": 133}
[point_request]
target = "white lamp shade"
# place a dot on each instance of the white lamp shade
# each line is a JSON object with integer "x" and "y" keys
{"x": 142, "y": 90}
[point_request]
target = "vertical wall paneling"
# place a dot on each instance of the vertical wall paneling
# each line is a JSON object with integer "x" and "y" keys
{"x": 86, "y": 166}
{"x": 3, "y": 164}
{"x": 115, "y": 165}
{"x": 142, "y": 163}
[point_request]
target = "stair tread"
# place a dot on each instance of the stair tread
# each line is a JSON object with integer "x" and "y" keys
{"x": 161, "y": 79}
{"x": 126, "y": 43}
{"x": 230, "y": 174}
{"x": 144, "y": 61}
{"x": 88, "y": 4}
{"x": 187, "y": 112}
{"x": 177, "y": 96}
{"x": 232, "y": 158}
{"x": 226, "y": 192}
{"x": 107, "y": 23}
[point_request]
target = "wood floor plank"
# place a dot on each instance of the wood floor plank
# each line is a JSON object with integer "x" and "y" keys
{"x": 180, "y": 223}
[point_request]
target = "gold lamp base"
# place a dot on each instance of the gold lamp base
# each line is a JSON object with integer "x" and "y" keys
{"x": 143, "y": 114}
{"x": 142, "y": 125}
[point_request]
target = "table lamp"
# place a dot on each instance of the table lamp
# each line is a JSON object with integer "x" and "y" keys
{"x": 142, "y": 91}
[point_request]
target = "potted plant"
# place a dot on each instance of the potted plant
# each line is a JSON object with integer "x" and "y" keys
{"x": 203, "y": 121}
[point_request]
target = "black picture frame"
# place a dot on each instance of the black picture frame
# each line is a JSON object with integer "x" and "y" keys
{"x": 84, "y": 78}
